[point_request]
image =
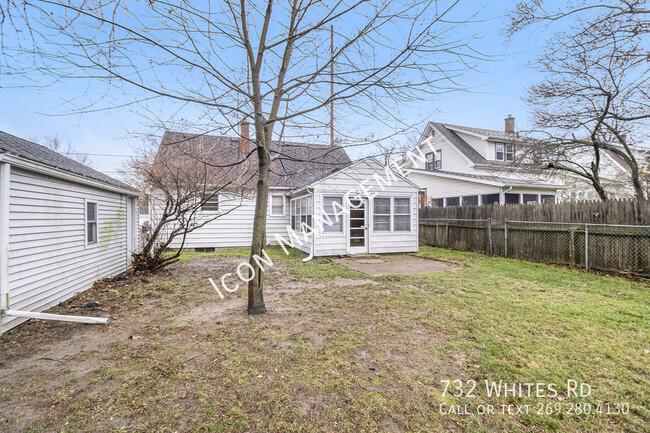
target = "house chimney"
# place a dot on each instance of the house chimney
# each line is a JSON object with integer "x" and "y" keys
{"x": 244, "y": 141}
{"x": 510, "y": 124}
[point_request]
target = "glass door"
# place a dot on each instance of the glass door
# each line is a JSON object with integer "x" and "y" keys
{"x": 358, "y": 231}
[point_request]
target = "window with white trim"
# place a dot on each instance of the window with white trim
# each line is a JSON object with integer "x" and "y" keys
{"x": 430, "y": 161}
{"x": 301, "y": 213}
{"x": 499, "y": 149}
{"x": 277, "y": 205}
{"x": 91, "y": 222}
{"x": 332, "y": 206}
{"x": 504, "y": 152}
{"x": 381, "y": 214}
{"x": 438, "y": 162}
{"x": 401, "y": 214}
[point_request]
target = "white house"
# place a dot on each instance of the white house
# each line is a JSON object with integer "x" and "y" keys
{"x": 63, "y": 225}
{"x": 378, "y": 208}
{"x": 466, "y": 165}
{"x": 471, "y": 166}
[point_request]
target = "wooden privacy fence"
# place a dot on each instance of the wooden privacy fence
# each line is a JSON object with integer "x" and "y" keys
{"x": 606, "y": 247}
{"x": 627, "y": 212}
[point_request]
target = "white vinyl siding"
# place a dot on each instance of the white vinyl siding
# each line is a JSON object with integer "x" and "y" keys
{"x": 48, "y": 257}
{"x": 348, "y": 180}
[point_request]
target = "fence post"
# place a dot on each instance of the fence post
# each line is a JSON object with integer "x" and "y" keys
{"x": 437, "y": 235}
{"x": 489, "y": 227}
{"x": 505, "y": 235}
{"x": 586, "y": 247}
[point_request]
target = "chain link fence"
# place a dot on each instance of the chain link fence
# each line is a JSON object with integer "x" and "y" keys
{"x": 604, "y": 247}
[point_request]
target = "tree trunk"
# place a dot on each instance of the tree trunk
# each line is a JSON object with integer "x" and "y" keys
{"x": 256, "y": 284}
{"x": 636, "y": 183}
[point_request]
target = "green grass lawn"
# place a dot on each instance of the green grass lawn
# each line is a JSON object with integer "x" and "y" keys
{"x": 341, "y": 351}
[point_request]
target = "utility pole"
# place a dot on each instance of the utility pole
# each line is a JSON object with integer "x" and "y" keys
{"x": 331, "y": 85}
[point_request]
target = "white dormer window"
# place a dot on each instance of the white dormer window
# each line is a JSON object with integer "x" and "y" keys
{"x": 438, "y": 162}
{"x": 504, "y": 152}
{"x": 430, "y": 160}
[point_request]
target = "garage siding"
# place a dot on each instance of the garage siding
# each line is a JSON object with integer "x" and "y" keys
{"x": 48, "y": 257}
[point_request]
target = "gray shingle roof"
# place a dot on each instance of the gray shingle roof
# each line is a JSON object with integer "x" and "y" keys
{"x": 461, "y": 144}
{"x": 487, "y": 132}
{"x": 41, "y": 154}
{"x": 294, "y": 164}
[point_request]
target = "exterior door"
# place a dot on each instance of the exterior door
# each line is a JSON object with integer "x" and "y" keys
{"x": 358, "y": 230}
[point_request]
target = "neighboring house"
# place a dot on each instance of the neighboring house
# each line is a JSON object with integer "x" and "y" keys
{"x": 63, "y": 225}
{"x": 465, "y": 165}
{"x": 306, "y": 180}
{"x": 471, "y": 166}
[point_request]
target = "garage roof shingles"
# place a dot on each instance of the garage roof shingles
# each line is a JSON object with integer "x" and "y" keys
{"x": 41, "y": 154}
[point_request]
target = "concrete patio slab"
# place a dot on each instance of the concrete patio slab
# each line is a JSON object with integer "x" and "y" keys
{"x": 398, "y": 264}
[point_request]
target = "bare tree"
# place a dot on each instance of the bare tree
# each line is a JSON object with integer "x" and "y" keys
{"x": 183, "y": 196}
{"x": 54, "y": 143}
{"x": 265, "y": 62}
{"x": 594, "y": 102}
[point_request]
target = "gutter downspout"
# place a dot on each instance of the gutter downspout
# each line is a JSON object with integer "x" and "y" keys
{"x": 313, "y": 232}
{"x": 503, "y": 193}
{"x": 4, "y": 235}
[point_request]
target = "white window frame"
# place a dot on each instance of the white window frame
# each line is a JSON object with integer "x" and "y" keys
{"x": 283, "y": 205}
{"x": 393, "y": 215}
{"x": 295, "y": 211}
{"x": 498, "y": 145}
{"x": 509, "y": 152}
{"x": 430, "y": 165}
{"x": 437, "y": 160}
{"x": 389, "y": 215}
{"x": 333, "y": 216}
{"x": 96, "y": 221}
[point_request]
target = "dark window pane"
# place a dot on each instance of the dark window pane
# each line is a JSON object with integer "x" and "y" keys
{"x": 490, "y": 198}
{"x": 453, "y": 201}
{"x": 530, "y": 198}
{"x": 499, "y": 148}
{"x": 210, "y": 203}
{"x": 512, "y": 198}
{"x": 470, "y": 200}
{"x": 91, "y": 211}
{"x": 439, "y": 202}
{"x": 357, "y": 213}
{"x": 548, "y": 198}
{"x": 357, "y": 242}
{"x": 357, "y": 233}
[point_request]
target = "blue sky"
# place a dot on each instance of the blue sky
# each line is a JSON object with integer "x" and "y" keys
{"x": 495, "y": 91}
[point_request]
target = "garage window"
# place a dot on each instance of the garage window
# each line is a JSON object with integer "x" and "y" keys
{"x": 91, "y": 222}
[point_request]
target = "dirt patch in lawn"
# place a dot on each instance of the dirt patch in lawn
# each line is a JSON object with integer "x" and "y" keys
{"x": 176, "y": 357}
{"x": 395, "y": 265}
